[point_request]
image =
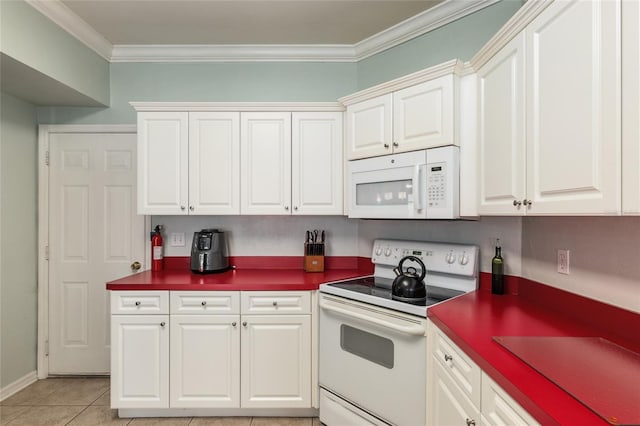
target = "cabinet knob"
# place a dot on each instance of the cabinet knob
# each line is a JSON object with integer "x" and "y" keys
{"x": 182, "y": 208}
{"x": 191, "y": 208}
{"x": 527, "y": 202}
{"x": 138, "y": 303}
{"x": 386, "y": 145}
{"x": 233, "y": 324}
{"x": 517, "y": 203}
{"x": 447, "y": 357}
{"x": 295, "y": 208}
{"x": 275, "y": 303}
{"x": 471, "y": 422}
{"x": 396, "y": 144}
{"x": 286, "y": 208}
{"x": 162, "y": 324}
{"x": 244, "y": 323}
{"x": 135, "y": 266}
{"x": 204, "y": 303}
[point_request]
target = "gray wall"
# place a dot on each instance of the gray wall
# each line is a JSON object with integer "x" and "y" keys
{"x": 18, "y": 239}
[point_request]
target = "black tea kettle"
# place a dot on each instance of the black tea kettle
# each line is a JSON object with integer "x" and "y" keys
{"x": 408, "y": 286}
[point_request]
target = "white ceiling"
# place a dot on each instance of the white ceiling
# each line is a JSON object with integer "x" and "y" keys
{"x": 243, "y": 21}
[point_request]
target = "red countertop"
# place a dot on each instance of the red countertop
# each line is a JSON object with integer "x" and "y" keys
{"x": 250, "y": 274}
{"x": 533, "y": 309}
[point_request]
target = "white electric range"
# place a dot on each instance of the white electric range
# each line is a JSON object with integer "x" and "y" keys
{"x": 373, "y": 347}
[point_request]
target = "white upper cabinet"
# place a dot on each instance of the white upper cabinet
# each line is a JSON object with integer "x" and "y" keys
{"x": 554, "y": 147}
{"x": 501, "y": 131}
{"x": 573, "y": 109}
{"x": 163, "y": 162}
{"x": 214, "y": 163}
{"x": 291, "y": 163}
{"x": 416, "y": 117}
{"x": 188, "y": 163}
{"x": 369, "y": 130}
{"x": 423, "y": 115}
{"x": 266, "y": 163}
{"x": 631, "y": 107}
{"x": 317, "y": 166}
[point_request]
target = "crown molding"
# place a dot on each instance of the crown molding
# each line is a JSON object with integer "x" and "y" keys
{"x": 237, "y": 106}
{"x": 429, "y": 20}
{"x": 453, "y": 66}
{"x": 64, "y": 17}
{"x": 517, "y": 23}
{"x": 438, "y": 16}
{"x": 233, "y": 53}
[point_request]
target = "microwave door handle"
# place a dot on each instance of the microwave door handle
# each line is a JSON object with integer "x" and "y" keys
{"x": 417, "y": 189}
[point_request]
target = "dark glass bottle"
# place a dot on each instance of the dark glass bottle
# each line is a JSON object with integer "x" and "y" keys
{"x": 497, "y": 271}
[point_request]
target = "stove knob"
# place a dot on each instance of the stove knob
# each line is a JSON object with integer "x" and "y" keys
{"x": 450, "y": 258}
{"x": 378, "y": 251}
{"x": 464, "y": 259}
{"x": 387, "y": 252}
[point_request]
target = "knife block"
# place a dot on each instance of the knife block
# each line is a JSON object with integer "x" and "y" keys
{"x": 313, "y": 262}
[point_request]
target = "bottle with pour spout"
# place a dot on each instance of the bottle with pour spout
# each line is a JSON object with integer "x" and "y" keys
{"x": 497, "y": 271}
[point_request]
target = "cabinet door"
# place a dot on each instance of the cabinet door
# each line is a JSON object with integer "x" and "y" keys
{"x": 424, "y": 115}
{"x": 139, "y": 361}
{"x": 163, "y": 163}
{"x": 317, "y": 167}
{"x": 499, "y": 409}
{"x": 631, "y": 107}
{"x": 447, "y": 405}
{"x": 369, "y": 128}
{"x": 266, "y": 163}
{"x": 276, "y": 361}
{"x": 501, "y": 131}
{"x": 573, "y": 109}
{"x": 214, "y": 163}
{"x": 205, "y": 361}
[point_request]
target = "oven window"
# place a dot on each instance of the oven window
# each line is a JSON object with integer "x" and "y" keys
{"x": 367, "y": 345}
{"x": 388, "y": 193}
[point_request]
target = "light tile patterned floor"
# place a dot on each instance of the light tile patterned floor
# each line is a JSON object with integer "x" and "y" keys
{"x": 85, "y": 402}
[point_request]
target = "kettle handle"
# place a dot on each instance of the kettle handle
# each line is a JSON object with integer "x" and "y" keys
{"x": 417, "y": 260}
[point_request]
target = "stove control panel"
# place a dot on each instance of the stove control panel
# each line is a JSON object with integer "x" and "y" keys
{"x": 446, "y": 258}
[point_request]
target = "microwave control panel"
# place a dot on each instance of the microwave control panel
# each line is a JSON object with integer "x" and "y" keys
{"x": 437, "y": 185}
{"x": 442, "y": 183}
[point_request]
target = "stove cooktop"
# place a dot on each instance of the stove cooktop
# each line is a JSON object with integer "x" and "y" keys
{"x": 377, "y": 291}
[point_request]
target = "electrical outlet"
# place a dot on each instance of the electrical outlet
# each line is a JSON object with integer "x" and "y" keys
{"x": 563, "y": 262}
{"x": 177, "y": 239}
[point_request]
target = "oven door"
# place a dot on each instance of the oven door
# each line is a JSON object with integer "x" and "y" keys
{"x": 391, "y": 187}
{"x": 373, "y": 358}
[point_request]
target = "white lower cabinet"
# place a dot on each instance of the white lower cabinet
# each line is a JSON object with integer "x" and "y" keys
{"x": 201, "y": 350}
{"x": 276, "y": 361}
{"x": 460, "y": 393}
{"x": 140, "y": 361}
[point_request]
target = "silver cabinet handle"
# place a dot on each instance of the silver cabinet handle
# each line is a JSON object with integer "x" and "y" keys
{"x": 386, "y": 145}
{"x": 191, "y": 208}
{"x": 447, "y": 357}
{"x": 244, "y": 323}
{"x": 204, "y": 303}
{"x": 517, "y": 203}
{"x": 396, "y": 144}
{"x": 527, "y": 202}
{"x": 471, "y": 422}
{"x": 162, "y": 324}
{"x": 233, "y": 324}
{"x": 182, "y": 208}
{"x": 138, "y": 303}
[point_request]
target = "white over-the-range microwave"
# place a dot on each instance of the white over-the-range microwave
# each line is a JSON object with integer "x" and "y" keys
{"x": 412, "y": 185}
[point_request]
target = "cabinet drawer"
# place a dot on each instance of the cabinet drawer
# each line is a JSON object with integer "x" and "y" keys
{"x": 139, "y": 302}
{"x": 274, "y": 302}
{"x": 205, "y": 302}
{"x": 462, "y": 370}
{"x": 498, "y": 408}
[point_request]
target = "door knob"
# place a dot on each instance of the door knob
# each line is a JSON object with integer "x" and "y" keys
{"x": 135, "y": 266}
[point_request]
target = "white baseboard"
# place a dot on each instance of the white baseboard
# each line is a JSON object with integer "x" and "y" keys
{"x": 18, "y": 385}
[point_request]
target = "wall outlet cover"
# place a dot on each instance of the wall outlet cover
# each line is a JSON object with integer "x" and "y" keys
{"x": 563, "y": 261}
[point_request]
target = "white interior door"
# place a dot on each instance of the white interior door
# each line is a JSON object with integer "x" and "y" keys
{"x": 95, "y": 236}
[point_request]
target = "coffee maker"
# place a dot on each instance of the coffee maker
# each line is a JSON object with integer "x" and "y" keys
{"x": 209, "y": 251}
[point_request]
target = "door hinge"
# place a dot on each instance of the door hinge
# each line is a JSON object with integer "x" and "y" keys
{"x": 46, "y": 158}
{"x": 46, "y": 348}
{"x": 46, "y": 252}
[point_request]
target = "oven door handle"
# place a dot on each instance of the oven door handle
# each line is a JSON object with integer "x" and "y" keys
{"x": 414, "y": 330}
